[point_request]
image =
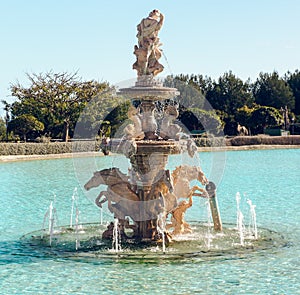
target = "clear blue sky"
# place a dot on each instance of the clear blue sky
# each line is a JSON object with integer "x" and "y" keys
{"x": 96, "y": 37}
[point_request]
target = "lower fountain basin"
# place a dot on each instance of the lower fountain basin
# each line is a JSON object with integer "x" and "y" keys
{"x": 203, "y": 244}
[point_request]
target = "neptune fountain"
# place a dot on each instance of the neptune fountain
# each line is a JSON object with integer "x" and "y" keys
{"x": 149, "y": 193}
{"x": 147, "y": 199}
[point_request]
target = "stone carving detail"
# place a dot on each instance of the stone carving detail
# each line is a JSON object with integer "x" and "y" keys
{"x": 177, "y": 219}
{"x": 134, "y": 131}
{"x": 147, "y": 51}
{"x": 162, "y": 197}
{"x": 191, "y": 147}
{"x": 124, "y": 202}
{"x": 149, "y": 124}
{"x": 182, "y": 176}
{"x": 168, "y": 129}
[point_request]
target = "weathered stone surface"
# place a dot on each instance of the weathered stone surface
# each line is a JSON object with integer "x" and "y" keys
{"x": 147, "y": 51}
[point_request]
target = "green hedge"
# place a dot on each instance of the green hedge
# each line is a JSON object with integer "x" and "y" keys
{"x": 210, "y": 141}
{"x": 7, "y": 149}
{"x": 266, "y": 140}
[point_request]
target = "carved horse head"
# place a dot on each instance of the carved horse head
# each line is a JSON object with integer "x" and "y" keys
{"x": 189, "y": 173}
{"x": 108, "y": 176}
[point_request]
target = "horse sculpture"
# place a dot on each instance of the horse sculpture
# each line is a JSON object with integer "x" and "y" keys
{"x": 117, "y": 182}
{"x": 182, "y": 176}
{"x": 242, "y": 130}
{"x": 123, "y": 201}
{"x": 163, "y": 187}
{"x": 163, "y": 196}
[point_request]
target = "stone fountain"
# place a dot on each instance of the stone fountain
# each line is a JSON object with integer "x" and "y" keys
{"x": 142, "y": 199}
{"x": 149, "y": 202}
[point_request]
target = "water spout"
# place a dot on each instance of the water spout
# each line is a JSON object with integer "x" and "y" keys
{"x": 77, "y": 242}
{"x": 116, "y": 244}
{"x": 101, "y": 216}
{"x": 51, "y": 215}
{"x": 252, "y": 224}
{"x": 161, "y": 228}
{"x": 240, "y": 219}
{"x": 74, "y": 203}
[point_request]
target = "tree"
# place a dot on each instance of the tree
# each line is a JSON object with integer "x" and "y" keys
{"x": 271, "y": 90}
{"x": 24, "y": 124}
{"x": 243, "y": 115}
{"x": 208, "y": 121}
{"x": 262, "y": 117}
{"x": 117, "y": 117}
{"x": 200, "y": 83}
{"x": 55, "y": 99}
{"x": 293, "y": 81}
{"x": 2, "y": 130}
{"x": 7, "y": 109}
{"x": 192, "y": 89}
{"x": 102, "y": 115}
{"x": 229, "y": 94}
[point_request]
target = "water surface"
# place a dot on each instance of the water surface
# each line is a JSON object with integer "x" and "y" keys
{"x": 270, "y": 178}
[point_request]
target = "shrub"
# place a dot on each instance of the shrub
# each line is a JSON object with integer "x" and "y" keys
{"x": 47, "y": 148}
{"x": 267, "y": 140}
{"x": 209, "y": 141}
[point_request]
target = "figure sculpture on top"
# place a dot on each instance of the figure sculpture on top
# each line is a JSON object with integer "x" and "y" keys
{"x": 147, "y": 52}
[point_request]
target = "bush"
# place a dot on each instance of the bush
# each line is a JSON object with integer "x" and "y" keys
{"x": 43, "y": 139}
{"x": 267, "y": 140}
{"x": 7, "y": 149}
{"x": 209, "y": 141}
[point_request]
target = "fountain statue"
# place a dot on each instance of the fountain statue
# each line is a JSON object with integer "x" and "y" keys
{"x": 148, "y": 52}
{"x": 143, "y": 199}
{"x": 149, "y": 203}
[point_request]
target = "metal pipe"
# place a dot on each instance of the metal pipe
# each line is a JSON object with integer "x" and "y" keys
{"x": 213, "y": 202}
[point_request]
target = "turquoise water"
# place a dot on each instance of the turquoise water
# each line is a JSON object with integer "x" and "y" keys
{"x": 270, "y": 178}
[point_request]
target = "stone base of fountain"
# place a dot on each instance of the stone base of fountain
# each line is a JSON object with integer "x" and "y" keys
{"x": 202, "y": 244}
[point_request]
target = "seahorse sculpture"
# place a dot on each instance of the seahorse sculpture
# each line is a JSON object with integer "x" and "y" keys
{"x": 134, "y": 131}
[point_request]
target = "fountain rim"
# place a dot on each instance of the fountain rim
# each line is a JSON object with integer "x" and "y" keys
{"x": 241, "y": 252}
{"x": 150, "y": 93}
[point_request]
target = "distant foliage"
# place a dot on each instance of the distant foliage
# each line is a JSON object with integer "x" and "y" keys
{"x": 192, "y": 95}
{"x": 263, "y": 140}
{"x": 208, "y": 121}
{"x": 2, "y": 130}
{"x": 24, "y": 124}
{"x": 262, "y": 117}
{"x": 47, "y": 148}
{"x": 62, "y": 106}
{"x": 271, "y": 90}
{"x": 55, "y": 100}
{"x": 293, "y": 80}
{"x": 229, "y": 94}
{"x": 253, "y": 105}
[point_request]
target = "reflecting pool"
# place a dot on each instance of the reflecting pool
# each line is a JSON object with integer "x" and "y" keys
{"x": 270, "y": 178}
